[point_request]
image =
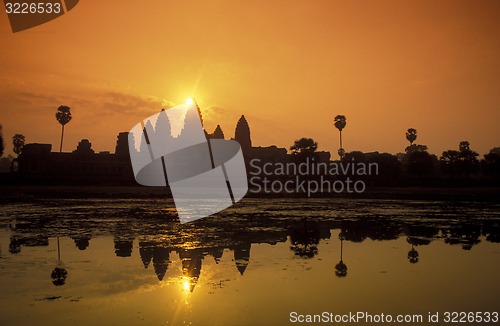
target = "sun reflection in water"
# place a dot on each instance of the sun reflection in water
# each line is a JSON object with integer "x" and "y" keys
{"x": 186, "y": 285}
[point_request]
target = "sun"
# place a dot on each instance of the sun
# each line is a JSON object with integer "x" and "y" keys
{"x": 189, "y": 101}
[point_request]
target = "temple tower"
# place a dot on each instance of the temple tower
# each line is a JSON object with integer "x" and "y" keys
{"x": 242, "y": 134}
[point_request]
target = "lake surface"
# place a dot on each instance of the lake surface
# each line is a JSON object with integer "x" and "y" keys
{"x": 129, "y": 262}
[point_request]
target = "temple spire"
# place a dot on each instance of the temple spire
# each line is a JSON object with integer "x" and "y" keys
{"x": 242, "y": 134}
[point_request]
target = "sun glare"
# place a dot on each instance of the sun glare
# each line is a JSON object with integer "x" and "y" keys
{"x": 189, "y": 101}
{"x": 186, "y": 286}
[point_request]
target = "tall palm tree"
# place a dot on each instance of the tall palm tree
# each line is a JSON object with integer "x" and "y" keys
{"x": 59, "y": 273}
{"x": 18, "y": 142}
{"x": 413, "y": 255}
{"x": 411, "y": 135}
{"x": 341, "y": 267}
{"x": 340, "y": 122}
{"x": 63, "y": 116}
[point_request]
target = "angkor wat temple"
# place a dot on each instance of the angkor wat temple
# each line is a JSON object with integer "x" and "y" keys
{"x": 39, "y": 164}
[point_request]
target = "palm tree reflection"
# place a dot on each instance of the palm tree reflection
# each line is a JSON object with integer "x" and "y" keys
{"x": 14, "y": 246}
{"x": 341, "y": 268}
{"x": 413, "y": 255}
{"x": 59, "y": 273}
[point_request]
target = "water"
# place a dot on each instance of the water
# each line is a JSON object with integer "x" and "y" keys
{"x": 128, "y": 262}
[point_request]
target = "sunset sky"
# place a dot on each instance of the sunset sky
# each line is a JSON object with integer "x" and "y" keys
{"x": 288, "y": 66}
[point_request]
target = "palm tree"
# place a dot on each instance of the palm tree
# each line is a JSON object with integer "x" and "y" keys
{"x": 468, "y": 162}
{"x": 411, "y": 135}
{"x": 59, "y": 273}
{"x": 340, "y": 122}
{"x": 413, "y": 255}
{"x": 341, "y": 267}
{"x": 448, "y": 161}
{"x": 18, "y": 143}
{"x": 63, "y": 116}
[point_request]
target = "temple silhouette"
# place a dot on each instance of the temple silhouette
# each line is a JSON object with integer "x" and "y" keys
{"x": 159, "y": 242}
{"x": 39, "y": 164}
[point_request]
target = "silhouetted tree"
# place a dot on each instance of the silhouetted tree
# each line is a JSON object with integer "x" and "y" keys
{"x": 415, "y": 148}
{"x": 413, "y": 255}
{"x": 14, "y": 246}
{"x": 468, "y": 159}
{"x": 464, "y": 146}
{"x": 59, "y": 273}
{"x": 340, "y": 123}
{"x": 63, "y": 116}
{"x": 411, "y": 135}
{"x": 18, "y": 142}
{"x": 304, "y": 239}
{"x": 304, "y": 146}
{"x": 448, "y": 162}
{"x": 420, "y": 163}
{"x": 6, "y": 163}
{"x": 466, "y": 234}
{"x": 304, "y": 149}
{"x": 491, "y": 163}
{"x": 355, "y": 156}
{"x": 123, "y": 246}
{"x": 2, "y": 146}
{"x": 58, "y": 276}
{"x": 389, "y": 167}
{"x": 341, "y": 267}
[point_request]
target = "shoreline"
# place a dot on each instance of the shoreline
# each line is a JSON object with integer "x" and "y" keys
{"x": 23, "y": 193}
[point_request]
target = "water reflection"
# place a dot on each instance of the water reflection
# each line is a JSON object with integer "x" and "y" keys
{"x": 59, "y": 273}
{"x": 281, "y": 248}
{"x": 158, "y": 237}
{"x": 341, "y": 268}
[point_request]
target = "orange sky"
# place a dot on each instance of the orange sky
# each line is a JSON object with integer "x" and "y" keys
{"x": 289, "y": 66}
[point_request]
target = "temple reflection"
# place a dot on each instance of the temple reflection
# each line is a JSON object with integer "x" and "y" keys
{"x": 191, "y": 266}
{"x": 242, "y": 256}
{"x": 158, "y": 238}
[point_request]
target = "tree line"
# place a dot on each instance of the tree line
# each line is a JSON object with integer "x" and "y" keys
{"x": 63, "y": 116}
{"x": 416, "y": 161}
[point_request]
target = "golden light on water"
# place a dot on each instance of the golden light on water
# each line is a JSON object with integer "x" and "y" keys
{"x": 186, "y": 285}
